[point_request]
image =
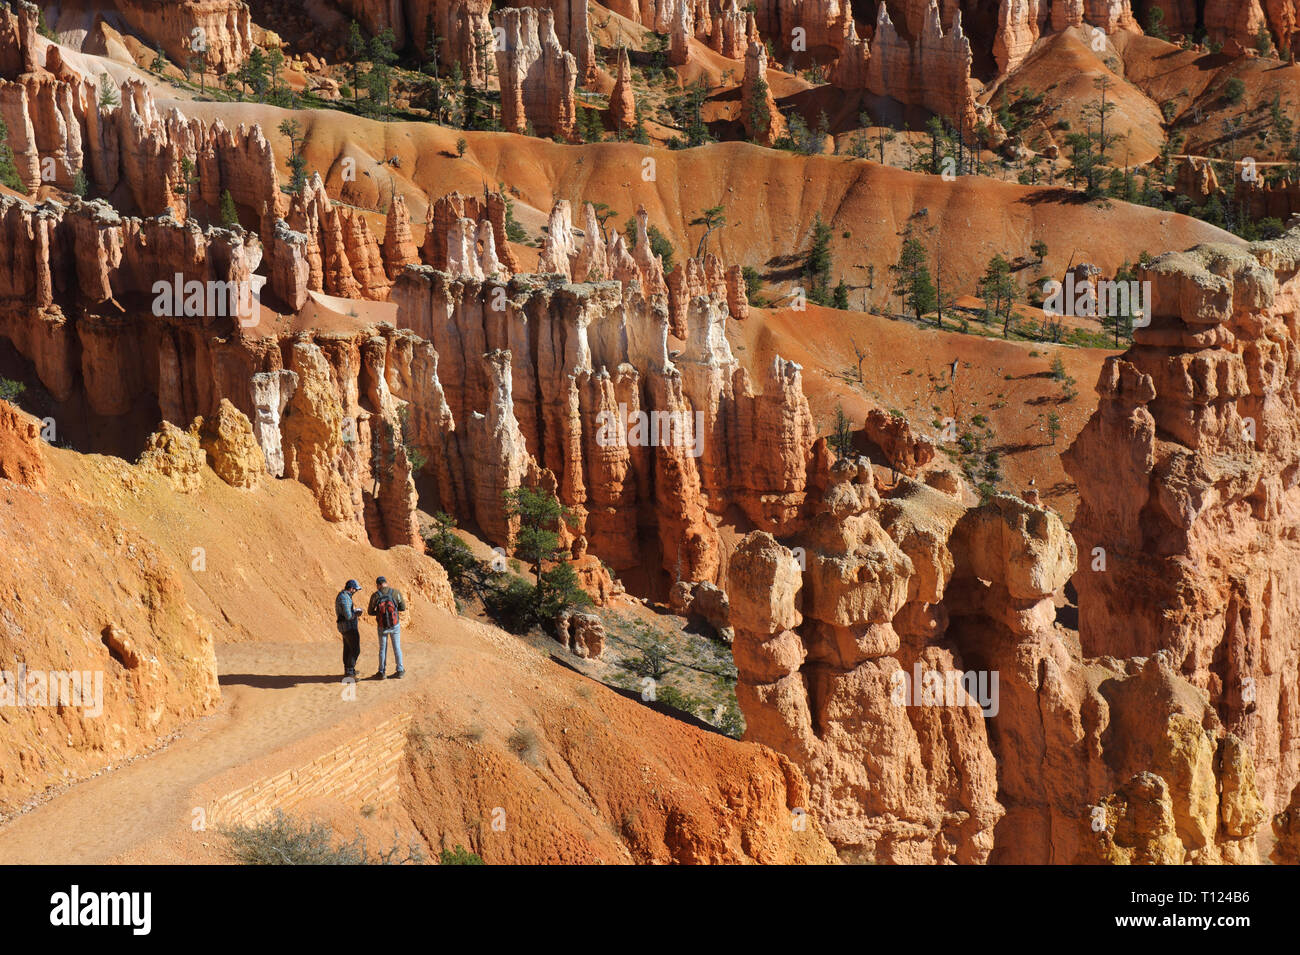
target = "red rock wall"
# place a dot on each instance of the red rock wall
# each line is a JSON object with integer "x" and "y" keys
{"x": 1187, "y": 482}
{"x": 224, "y": 28}
{"x": 538, "y": 76}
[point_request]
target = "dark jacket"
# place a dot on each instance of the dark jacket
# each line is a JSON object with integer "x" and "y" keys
{"x": 345, "y": 614}
{"x": 378, "y": 595}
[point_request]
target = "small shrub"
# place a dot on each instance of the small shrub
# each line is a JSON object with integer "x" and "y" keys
{"x": 282, "y": 840}
{"x": 523, "y": 743}
{"x": 459, "y": 856}
{"x": 684, "y": 702}
{"x": 512, "y": 604}
{"x": 9, "y": 390}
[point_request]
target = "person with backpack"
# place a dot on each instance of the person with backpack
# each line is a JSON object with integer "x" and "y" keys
{"x": 347, "y": 617}
{"x": 386, "y": 604}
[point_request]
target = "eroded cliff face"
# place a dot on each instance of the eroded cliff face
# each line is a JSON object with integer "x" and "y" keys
{"x": 933, "y": 71}
{"x": 905, "y": 655}
{"x": 165, "y": 164}
{"x": 1187, "y": 531}
{"x": 131, "y": 152}
{"x": 543, "y": 377}
{"x": 821, "y": 669}
{"x": 538, "y": 76}
{"x": 220, "y": 29}
{"x": 462, "y": 28}
{"x": 576, "y": 381}
{"x": 1167, "y": 733}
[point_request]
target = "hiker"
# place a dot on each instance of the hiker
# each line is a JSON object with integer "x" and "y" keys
{"x": 385, "y": 605}
{"x": 348, "y": 616}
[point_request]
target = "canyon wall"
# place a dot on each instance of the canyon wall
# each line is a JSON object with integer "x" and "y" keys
{"x": 566, "y": 379}
{"x": 903, "y": 652}
{"x": 1166, "y": 731}
{"x": 1190, "y": 519}
{"x": 538, "y": 76}
{"x": 219, "y": 30}
{"x": 531, "y": 365}
{"x": 933, "y": 72}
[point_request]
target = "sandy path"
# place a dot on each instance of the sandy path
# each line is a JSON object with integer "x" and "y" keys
{"x": 273, "y": 695}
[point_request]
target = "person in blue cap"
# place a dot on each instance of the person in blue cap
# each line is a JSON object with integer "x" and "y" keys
{"x": 348, "y": 616}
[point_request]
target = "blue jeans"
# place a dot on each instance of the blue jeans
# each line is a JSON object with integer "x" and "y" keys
{"x": 396, "y": 635}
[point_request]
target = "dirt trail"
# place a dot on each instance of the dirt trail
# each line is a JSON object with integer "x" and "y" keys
{"x": 273, "y": 697}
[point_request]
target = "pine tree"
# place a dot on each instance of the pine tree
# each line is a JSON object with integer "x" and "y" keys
{"x": 379, "y": 80}
{"x": 537, "y": 542}
{"x": 915, "y": 284}
{"x": 253, "y": 72}
{"x": 817, "y": 263}
{"x": 712, "y": 219}
{"x": 760, "y": 115}
{"x": 274, "y": 61}
{"x": 229, "y": 213}
{"x": 108, "y": 97}
{"x": 639, "y": 134}
{"x": 297, "y": 162}
{"x": 8, "y": 168}
{"x": 997, "y": 288}
{"x": 840, "y": 297}
{"x": 356, "y": 46}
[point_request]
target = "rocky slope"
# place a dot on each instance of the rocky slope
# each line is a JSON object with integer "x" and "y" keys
{"x": 104, "y": 653}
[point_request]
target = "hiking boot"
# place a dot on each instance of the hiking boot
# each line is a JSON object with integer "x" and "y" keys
{"x": 398, "y": 675}
{"x": 379, "y": 676}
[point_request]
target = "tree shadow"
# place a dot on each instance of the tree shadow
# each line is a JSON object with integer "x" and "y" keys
{"x": 1032, "y": 375}
{"x": 1009, "y": 449}
{"x": 1055, "y": 194}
